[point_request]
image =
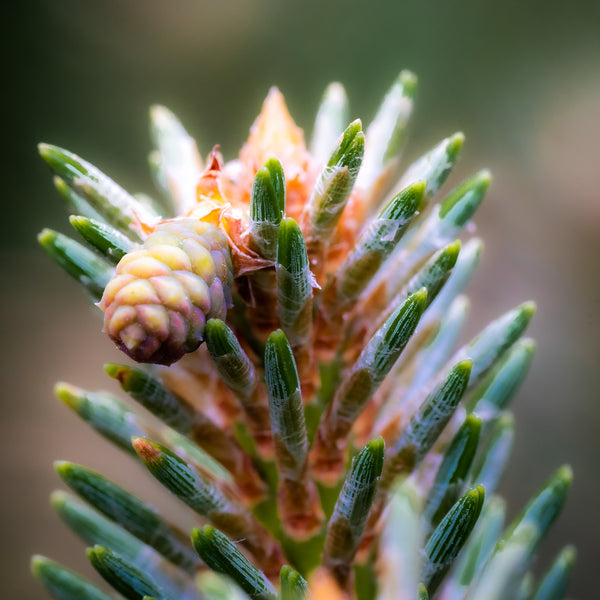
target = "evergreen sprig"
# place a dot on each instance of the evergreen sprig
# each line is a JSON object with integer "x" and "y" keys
{"x": 307, "y": 399}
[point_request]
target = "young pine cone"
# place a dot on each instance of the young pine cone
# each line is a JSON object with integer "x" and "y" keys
{"x": 157, "y": 304}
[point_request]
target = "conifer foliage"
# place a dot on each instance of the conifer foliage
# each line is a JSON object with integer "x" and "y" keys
{"x": 296, "y": 314}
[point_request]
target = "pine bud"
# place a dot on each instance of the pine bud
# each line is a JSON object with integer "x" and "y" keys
{"x": 157, "y": 304}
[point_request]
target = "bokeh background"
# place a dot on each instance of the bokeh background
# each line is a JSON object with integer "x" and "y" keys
{"x": 520, "y": 78}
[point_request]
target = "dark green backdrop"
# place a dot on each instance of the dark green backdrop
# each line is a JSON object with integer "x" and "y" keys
{"x": 521, "y": 79}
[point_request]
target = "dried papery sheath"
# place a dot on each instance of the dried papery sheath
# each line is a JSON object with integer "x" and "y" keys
{"x": 63, "y": 583}
{"x": 323, "y": 585}
{"x": 330, "y": 121}
{"x": 349, "y": 518}
{"x": 217, "y": 551}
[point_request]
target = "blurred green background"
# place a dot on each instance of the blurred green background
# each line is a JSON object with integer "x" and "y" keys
{"x": 521, "y": 79}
